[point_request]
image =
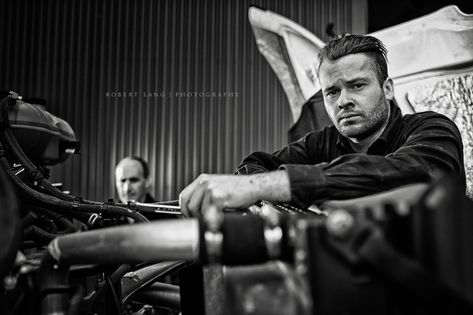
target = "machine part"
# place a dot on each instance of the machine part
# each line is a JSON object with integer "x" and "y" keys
{"x": 272, "y": 231}
{"x": 46, "y": 226}
{"x": 213, "y": 220}
{"x": 340, "y": 223}
{"x": 162, "y": 294}
{"x": 266, "y": 289}
{"x": 7, "y": 134}
{"x": 442, "y": 234}
{"x": 347, "y": 248}
{"x": 414, "y": 280}
{"x": 402, "y": 198}
{"x": 159, "y": 208}
{"x": 213, "y": 245}
{"x": 155, "y": 241}
{"x": 99, "y": 294}
{"x": 41, "y": 236}
{"x": 45, "y": 138}
{"x": 55, "y": 203}
{"x": 125, "y": 244}
{"x": 140, "y": 279}
{"x": 9, "y": 225}
{"x": 8, "y": 137}
{"x": 54, "y": 287}
{"x": 75, "y": 301}
{"x": 243, "y": 240}
{"x": 375, "y": 274}
{"x": 193, "y": 289}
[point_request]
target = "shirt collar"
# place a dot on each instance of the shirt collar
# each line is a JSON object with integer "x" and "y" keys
{"x": 380, "y": 145}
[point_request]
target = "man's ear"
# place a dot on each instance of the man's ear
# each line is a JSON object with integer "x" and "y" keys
{"x": 388, "y": 88}
{"x": 148, "y": 184}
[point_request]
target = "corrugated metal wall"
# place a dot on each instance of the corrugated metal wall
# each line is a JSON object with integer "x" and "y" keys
{"x": 124, "y": 75}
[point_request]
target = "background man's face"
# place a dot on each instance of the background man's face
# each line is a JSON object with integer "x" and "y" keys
{"x": 355, "y": 101}
{"x": 130, "y": 181}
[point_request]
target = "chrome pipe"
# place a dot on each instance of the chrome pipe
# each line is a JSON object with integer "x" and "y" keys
{"x": 156, "y": 241}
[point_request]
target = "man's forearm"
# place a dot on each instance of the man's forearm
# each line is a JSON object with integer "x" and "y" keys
{"x": 234, "y": 191}
{"x": 272, "y": 186}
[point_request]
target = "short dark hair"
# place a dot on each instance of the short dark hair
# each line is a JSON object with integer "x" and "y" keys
{"x": 355, "y": 44}
{"x": 144, "y": 165}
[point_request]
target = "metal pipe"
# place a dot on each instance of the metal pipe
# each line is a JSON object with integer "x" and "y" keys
{"x": 156, "y": 241}
{"x": 159, "y": 208}
{"x": 141, "y": 278}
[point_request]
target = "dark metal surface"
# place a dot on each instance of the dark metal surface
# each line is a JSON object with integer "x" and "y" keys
{"x": 272, "y": 288}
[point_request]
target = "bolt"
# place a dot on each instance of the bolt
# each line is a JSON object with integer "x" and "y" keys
{"x": 340, "y": 223}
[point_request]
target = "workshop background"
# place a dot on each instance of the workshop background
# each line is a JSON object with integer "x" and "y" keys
{"x": 179, "y": 83}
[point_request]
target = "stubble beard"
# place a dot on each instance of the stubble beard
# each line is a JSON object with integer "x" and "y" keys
{"x": 372, "y": 122}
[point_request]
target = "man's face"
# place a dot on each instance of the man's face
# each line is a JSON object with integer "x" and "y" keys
{"x": 354, "y": 99}
{"x": 130, "y": 181}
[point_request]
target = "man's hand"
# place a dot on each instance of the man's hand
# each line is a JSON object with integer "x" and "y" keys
{"x": 233, "y": 191}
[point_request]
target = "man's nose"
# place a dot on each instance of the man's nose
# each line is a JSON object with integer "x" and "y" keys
{"x": 345, "y": 100}
{"x": 126, "y": 186}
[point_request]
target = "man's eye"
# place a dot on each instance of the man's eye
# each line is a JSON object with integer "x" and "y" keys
{"x": 357, "y": 86}
{"x": 331, "y": 93}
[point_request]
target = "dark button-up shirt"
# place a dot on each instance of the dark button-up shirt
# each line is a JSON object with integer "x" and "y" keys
{"x": 322, "y": 165}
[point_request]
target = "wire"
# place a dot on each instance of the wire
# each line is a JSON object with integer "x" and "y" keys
{"x": 61, "y": 204}
{"x": 60, "y": 219}
{"x": 38, "y": 235}
{"x": 115, "y": 278}
{"x": 114, "y": 295}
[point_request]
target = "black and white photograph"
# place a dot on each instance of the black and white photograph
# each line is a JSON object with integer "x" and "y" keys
{"x": 236, "y": 157}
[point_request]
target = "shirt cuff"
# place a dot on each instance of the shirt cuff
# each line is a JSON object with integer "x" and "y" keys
{"x": 307, "y": 184}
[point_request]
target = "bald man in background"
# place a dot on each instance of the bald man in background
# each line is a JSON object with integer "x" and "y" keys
{"x": 132, "y": 180}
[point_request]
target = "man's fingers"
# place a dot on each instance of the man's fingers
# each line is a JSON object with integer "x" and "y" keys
{"x": 215, "y": 191}
{"x": 184, "y": 197}
{"x": 187, "y": 194}
{"x": 195, "y": 201}
{"x": 183, "y": 203}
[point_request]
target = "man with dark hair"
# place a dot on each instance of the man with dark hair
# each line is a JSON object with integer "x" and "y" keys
{"x": 370, "y": 148}
{"x": 353, "y": 44}
{"x": 132, "y": 180}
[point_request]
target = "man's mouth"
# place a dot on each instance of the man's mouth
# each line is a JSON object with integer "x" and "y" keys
{"x": 347, "y": 116}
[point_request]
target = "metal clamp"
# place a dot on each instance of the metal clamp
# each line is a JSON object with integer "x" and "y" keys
{"x": 340, "y": 223}
{"x": 213, "y": 237}
{"x": 272, "y": 231}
